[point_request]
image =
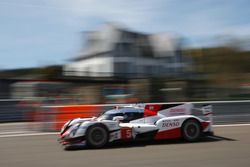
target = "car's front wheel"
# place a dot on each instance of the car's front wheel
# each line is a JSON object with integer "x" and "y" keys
{"x": 191, "y": 130}
{"x": 97, "y": 136}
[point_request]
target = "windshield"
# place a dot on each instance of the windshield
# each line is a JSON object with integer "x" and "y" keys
{"x": 128, "y": 114}
{"x": 109, "y": 116}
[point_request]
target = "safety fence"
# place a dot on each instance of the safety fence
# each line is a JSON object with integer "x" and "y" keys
{"x": 11, "y": 111}
{"x": 51, "y": 117}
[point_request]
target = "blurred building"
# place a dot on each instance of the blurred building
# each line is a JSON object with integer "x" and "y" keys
{"x": 115, "y": 51}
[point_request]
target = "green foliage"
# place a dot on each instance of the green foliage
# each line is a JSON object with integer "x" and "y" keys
{"x": 220, "y": 60}
{"x": 33, "y": 73}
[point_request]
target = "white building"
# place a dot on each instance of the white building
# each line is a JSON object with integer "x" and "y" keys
{"x": 114, "y": 51}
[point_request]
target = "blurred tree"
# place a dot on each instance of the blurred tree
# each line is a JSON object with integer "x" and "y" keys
{"x": 225, "y": 68}
{"x": 48, "y": 72}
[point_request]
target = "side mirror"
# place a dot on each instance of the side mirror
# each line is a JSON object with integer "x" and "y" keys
{"x": 118, "y": 118}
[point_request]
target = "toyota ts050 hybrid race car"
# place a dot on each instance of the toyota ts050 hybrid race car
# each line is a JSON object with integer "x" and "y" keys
{"x": 135, "y": 122}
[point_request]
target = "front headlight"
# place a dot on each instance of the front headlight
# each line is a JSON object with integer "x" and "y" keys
{"x": 64, "y": 127}
{"x": 74, "y": 129}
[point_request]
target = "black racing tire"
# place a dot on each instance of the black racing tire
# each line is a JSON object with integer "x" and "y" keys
{"x": 191, "y": 130}
{"x": 97, "y": 136}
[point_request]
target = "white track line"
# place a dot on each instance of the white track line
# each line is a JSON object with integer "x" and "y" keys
{"x": 13, "y": 124}
{"x": 231, "y": 125}
{"x": 15, "y": 132}
{"x": 29, "y": 134}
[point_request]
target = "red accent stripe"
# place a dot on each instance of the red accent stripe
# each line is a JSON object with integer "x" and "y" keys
{"x": 205, "y": 124}
{"x": 151, "y": 110}
{"x": 64, "y": 134}
{"x": 126, "y": 133}
{"x": 206, "y": 114}
{"x": 168, "y": 134}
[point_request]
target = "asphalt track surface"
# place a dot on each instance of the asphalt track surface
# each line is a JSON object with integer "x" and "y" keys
{"x": 231, "y": 147}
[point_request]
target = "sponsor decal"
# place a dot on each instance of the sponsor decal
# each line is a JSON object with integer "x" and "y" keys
{"x": 177, "y": 110}
{"x": 171, "y": 123}
{"x": 126, "y": 133}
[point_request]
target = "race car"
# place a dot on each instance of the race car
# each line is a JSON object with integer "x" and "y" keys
{"x": 138, "y": 122}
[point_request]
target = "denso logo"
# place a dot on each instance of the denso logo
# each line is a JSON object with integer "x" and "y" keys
{"x": 178, "y": 110}
{"x": 171, "y": 123}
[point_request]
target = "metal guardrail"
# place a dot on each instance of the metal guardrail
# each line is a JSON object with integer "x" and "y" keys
{"x": 22, "y": 110}
{"x": 11, "y": 112}
{"x": 229, "y": 111}
{"x": 223, "y": 111}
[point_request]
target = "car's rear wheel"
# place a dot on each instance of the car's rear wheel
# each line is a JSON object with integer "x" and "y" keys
{"x": 191, "y": 130}
{"x": 97, "y": 136}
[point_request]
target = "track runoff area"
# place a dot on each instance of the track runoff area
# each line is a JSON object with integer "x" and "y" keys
{"x": 229, "y": 147}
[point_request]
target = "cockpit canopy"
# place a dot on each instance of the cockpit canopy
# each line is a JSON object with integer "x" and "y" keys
{"x": 129, "y": 114}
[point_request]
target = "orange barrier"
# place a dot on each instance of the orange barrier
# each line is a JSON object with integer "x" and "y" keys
{"x": 52, "y": 118}
{"x": 65, "y": 113}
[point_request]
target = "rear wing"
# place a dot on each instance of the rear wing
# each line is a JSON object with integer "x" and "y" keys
{"x": 207, "y": 111}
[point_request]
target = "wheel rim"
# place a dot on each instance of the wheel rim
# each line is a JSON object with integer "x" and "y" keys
{"x": 192, "y": 130}
{"x": 97, "y": 136}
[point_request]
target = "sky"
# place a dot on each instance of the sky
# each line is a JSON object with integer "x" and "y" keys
{"x": 37, "y": 33}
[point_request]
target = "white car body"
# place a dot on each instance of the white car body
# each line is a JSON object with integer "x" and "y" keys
{"x": 155, "y": 121}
